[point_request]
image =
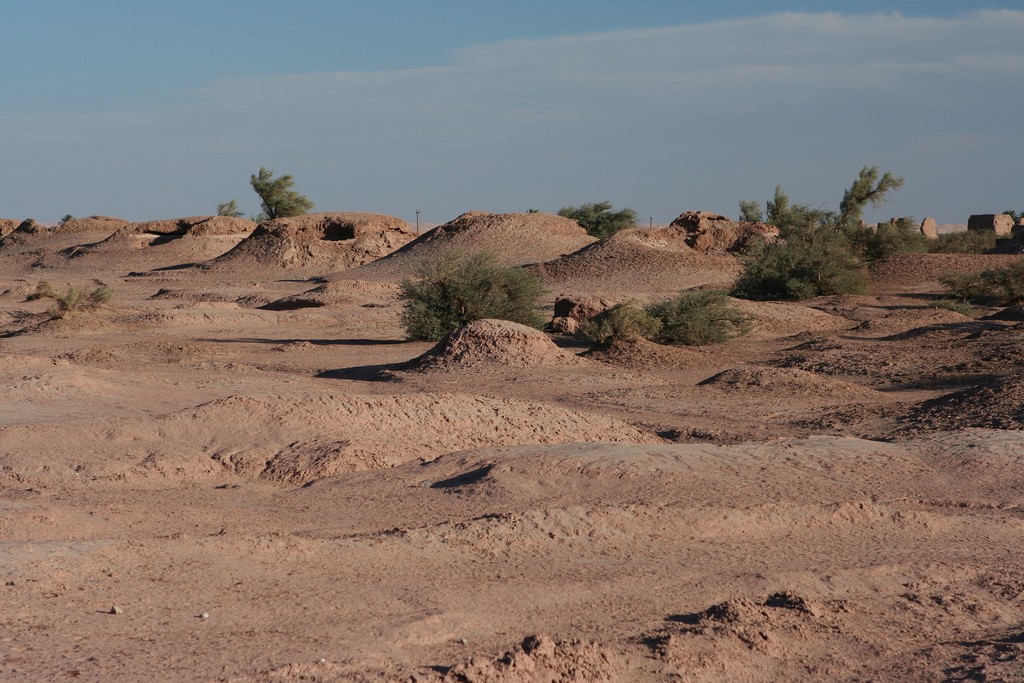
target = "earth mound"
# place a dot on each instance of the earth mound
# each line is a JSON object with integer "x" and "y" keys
{"x": 163, "y": 243}
{"x": 495, "y": 342}
{"x": 322, "y": 242}
{"x": 903, "y": 270}
{"x": 30, "y": 231}
{"x": 540, "y": 658}
{"x": 789, "y": 380}
{"x": 338, "y": 292}
{"x": 643, "y": 354}
{"x": 514, "y": 239}
{"x": 300, "y": 440}
{"x": 711, "y": 233}
{"x": 640, "y": 259}
{"x": 771, "y": 319}
{"x": 8, "y": 225}
{"x": 998, "y": 404}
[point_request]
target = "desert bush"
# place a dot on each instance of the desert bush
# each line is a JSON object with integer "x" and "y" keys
{"x": 697, "y": 317}
{"x": 277, "y": 197}
{"x": 43, "y": 290}
{"x": 71, "y": 299}
{"x": 806, "y": 264}
{"x": 966, "y": 242}
{"x": 459, "y": 289}
{"x": 598, "y": 219}
{"x": 1002, "y": 286}
{"x": 626, "y": 321}
{"x": 888, "y": 239}
{"x": 65, "y": 219}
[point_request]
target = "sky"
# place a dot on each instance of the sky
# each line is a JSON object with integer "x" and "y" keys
{"x": 161, "y": 110}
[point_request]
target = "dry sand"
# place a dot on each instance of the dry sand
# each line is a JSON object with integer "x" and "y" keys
{"x": 269, "y": 484}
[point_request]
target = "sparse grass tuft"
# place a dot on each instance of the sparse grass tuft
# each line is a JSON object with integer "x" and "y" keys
{"x": 71, "y": 299}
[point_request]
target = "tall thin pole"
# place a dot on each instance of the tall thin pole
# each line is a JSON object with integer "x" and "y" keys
{"x": 417, "y": 221}
{"x": 650, "y": 222}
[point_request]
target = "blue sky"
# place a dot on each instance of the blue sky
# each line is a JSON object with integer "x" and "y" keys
{"x": 147, "y": 110}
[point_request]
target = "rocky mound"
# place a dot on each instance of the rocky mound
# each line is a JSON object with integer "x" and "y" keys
{"x": 711, "y": 233}
{"x": 8, "y": 225}
{"x": 642, "y": 354}
{"x": 321, "y": 242}
{"x": 788, "y": 380}
{"x": 163, "y": 243}
{"x": 640, "y": 259}
{"x": 513, "y": 238}
{"x": 494, "y": 342}
{"x": 540, "y": 658}
{"x": 998, "y": 404}
{"x": 30, "y": 231}
{"x": 338, "y": 292}
{"x": 194, "y": 226}
{"x": 771, "y": 319}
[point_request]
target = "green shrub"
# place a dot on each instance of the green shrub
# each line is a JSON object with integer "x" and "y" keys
{"x": 966, "y": 242}
{"x": 697, "y": 317}
{"x": 598, "y": 219}
{"x": 622, "y": 321}
{"x": 1003, "y": 286}
{"x": 888, "y": 239}
{"x": 808, "y": 263}
{"x": 277, "y": 197}
{"x": 460, "y": 289}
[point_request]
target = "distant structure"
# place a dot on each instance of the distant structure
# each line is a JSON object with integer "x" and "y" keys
{"x": 929, "y": 228}
{"x": 999, "y": 223}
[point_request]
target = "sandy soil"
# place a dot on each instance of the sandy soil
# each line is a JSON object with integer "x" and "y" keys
{"x": 251, "y": 476}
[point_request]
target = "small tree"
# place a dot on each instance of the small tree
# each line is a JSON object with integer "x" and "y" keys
{"x": 229, "y": 209}
{"x": 750, "y": 211}
{"x": 598, "y": 219}
{"x": 460, "y": 289}
{"x": 867, "y": 188}
{"x": 277, "y": 197}
{"x": 65, "y": 219}
{"x": 793, "y": 218}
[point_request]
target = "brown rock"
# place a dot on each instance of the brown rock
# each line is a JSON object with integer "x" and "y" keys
{"x": 711, "y": 233}
{"x": 580, "y": 308}
{"x": 1000, "y": 223}
{"x": 929, "y": 228}
{"x": 565, "y": 325}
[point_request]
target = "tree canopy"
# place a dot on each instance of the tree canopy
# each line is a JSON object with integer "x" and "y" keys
{"x": 277, "y": 197}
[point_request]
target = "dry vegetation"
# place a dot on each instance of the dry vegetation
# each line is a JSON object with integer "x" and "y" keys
{"x": 239, "y": 468}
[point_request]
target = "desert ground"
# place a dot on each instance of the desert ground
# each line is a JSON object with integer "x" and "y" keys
{"x": 238, "y": 469}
